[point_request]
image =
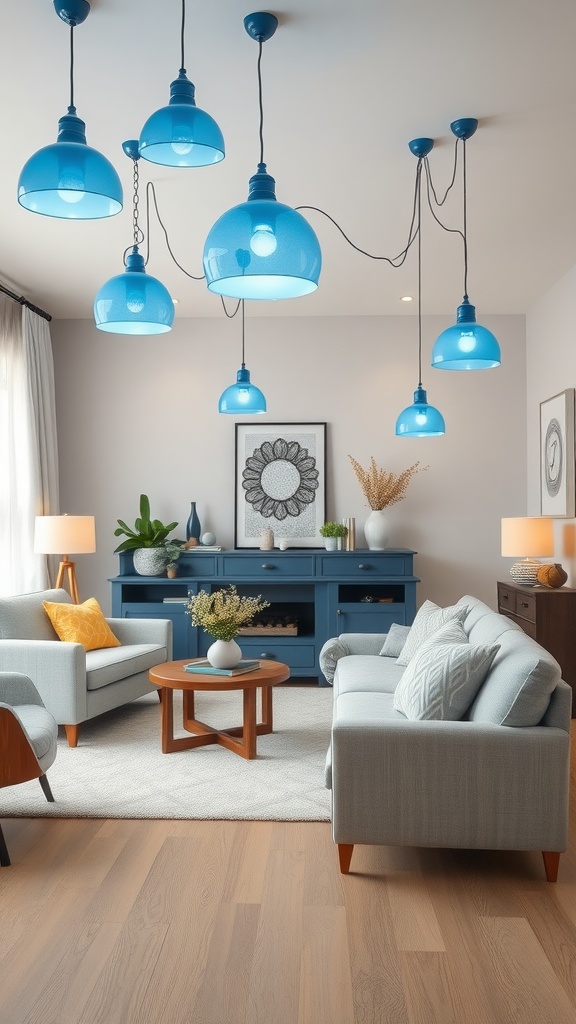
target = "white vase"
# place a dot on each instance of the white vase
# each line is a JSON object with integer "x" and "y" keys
{"x": 377, "y": 530}
{"x": 224, "y": 654}
{"x": 331, "y": 543}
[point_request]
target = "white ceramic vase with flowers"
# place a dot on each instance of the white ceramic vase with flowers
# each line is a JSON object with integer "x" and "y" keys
{"x": 381, "y": 488}
{"x": 222, "y": 614}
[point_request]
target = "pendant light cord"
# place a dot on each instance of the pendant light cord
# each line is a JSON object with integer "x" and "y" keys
{"x": 260, "y": 102}
{"x": 182, "y": 62}
{"x": 418, "y": 189}
{"x": 71, "y": 67}
{"x": 243, "y": 362}
{"x": 464, "y": 220}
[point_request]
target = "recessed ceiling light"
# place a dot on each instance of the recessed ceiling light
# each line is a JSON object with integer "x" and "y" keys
{"x": 406, "y": 298}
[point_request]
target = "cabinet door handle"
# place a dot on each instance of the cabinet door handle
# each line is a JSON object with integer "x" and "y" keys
{"x": 363, "y": 566}
{"x": 504, "y": 597}
{"x": 266, "y": 656}
{"x": 267, "y": 565}
{"x": 524, "y": 604}
{"x": 338, "y": 612}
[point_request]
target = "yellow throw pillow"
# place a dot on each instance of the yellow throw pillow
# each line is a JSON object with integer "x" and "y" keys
{"x": 81, "y": 624}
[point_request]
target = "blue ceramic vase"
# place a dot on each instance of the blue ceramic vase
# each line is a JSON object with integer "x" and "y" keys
{"x": 193, "y": 528}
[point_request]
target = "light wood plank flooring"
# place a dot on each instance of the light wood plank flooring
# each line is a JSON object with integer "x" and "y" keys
{"x": 172, "y": 922}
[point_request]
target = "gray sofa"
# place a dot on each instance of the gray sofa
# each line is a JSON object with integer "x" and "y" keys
{"x": 496, "y": 779}
{"x": 76, "y": 685}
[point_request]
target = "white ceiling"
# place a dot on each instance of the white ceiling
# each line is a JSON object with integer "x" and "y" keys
{"x": 346, "y": 86}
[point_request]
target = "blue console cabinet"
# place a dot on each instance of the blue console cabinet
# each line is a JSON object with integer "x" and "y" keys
{"x": 320, "y": 593}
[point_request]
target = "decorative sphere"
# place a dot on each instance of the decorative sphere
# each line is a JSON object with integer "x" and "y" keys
{"x": 208, "y": 539}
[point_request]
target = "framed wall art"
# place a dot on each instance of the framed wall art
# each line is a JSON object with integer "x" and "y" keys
{"x": 557, "y": 469}
{"x": 280, "y": 483}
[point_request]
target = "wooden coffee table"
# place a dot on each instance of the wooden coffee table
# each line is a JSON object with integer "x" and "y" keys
{"x": 171, "y": 676}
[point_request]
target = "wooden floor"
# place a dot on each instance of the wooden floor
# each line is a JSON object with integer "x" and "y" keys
{"x": 171, "y": 922}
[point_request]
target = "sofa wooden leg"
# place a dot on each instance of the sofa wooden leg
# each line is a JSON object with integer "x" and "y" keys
{"x": 72, "y": 735}
{"x": 345, "y": 856}
{"x": 551, "y": 865}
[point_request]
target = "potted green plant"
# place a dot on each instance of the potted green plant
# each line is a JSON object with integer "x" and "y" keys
{"x": 222, "y": 614}
{"x": 173, "y": 549}
{"x": 146, "y": 540}
{"x": 333, "y": 533}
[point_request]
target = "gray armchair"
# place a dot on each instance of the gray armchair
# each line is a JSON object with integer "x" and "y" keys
{"x": 77, "y": 685}
{"x": 28, "y": 735}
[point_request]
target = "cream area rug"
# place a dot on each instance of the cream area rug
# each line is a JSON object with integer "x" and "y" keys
{"x": 119, "y": 771}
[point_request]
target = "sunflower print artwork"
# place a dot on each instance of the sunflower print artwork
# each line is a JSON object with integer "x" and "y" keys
{"x": 280, "y": 479}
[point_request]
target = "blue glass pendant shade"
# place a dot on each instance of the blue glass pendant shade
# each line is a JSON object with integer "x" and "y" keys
{"x": 242, "y": 397}
{"x": 69, "y": 179}
{"x": 181, "y": 135}
{"x": 420, "y": 419}
{"x": 466, "y": 345}
{"x": 134, "y": 302}
{"x": 262, "y": 249}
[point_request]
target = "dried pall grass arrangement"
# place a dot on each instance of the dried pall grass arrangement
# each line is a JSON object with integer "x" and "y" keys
{"x": 382, "y": 488}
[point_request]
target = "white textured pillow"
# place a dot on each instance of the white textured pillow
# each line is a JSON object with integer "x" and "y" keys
{"x": 395, "y": 639}
{"x": 428, "y": 619}
{"x": 444, "y": 676}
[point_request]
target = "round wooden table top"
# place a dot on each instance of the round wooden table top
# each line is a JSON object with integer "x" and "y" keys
{"x": 173, "y": 675}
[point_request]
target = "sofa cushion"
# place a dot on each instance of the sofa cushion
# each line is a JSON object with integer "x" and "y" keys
{"x": 365, "y": 673}
{"x": 428, "y": 619}
{"x": 444, "y": 676}
{"x": 518, "y": 688}
{"x": 113, "y": 663}
{"x": 395, "y": 639}
{"x": 23, "y": 617}
{"x": 81, "y": 624}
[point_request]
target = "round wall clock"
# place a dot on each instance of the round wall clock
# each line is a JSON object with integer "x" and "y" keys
{"x": 553, "y": 457}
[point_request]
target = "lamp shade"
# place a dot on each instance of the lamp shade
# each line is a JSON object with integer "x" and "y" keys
{"x": 181, "y": 135}
{"x": 262, "y": 249}
{"x": 529, "y": 537}
{"x": 466, "y": 345}
{"x": 57, "y": 535}
{"x": 420, "y": 419}
{"x": 69, "y": 179}
{"x": 242, "y": 397}
{"x": 134, "y": 302}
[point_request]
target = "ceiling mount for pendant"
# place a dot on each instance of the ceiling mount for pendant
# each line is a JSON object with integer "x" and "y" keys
{"x": 421, "y": 147}
{"x": 464, "y": 127}
{"x": 261, "y": 25}
{"x": 73, "y": 12}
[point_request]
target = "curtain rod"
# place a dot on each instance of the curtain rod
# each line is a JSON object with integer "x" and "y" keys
{"x": 24, "y": 302}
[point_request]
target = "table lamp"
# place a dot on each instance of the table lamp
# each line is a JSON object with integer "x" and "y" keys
{"x": 529, "y": 537}
{"x": 74, "y": 534}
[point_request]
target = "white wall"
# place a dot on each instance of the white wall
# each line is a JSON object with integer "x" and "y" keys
{"x": 140, "y": 414}
{"x": 551, "y": 368}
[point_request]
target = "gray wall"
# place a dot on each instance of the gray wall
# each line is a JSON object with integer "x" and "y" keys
{"x": 140, "y": 414}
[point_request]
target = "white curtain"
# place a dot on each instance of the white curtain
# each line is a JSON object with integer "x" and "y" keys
{"x": 28, "y": 444}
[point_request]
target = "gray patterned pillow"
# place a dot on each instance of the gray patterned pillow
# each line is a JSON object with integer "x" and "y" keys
{"x": 444, "y": 676}
{"x": 428, "y": 619}
{"x": 332, "y": 650}
{"x": 395, "y": 639}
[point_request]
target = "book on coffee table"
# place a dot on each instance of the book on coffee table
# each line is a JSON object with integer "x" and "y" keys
{"x": 204, "y": 667}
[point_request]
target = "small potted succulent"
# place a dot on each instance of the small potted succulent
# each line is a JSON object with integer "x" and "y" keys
{"x": 333, "y": 534}
{"x": 173, "y": 549}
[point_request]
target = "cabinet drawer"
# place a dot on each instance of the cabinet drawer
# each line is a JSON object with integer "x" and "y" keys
{"x": 506, "y": 599}
{"x": 340, "y": 566}
{"x": 267, "y": 564}
{"x": 525, "y": 606}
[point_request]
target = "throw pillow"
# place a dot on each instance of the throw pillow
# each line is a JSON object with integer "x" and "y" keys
{"x": 428, "y": 619}
{"x": 444, "y": 676}
{"x": 395, "y": 640}
{"x": 81, "y": 624}
{"x": 332, "y": 650}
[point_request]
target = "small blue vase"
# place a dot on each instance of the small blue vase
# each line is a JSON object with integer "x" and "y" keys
{"x": 193, "y": 528}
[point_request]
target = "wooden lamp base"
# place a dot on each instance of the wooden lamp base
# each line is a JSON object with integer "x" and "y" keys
{"x": 68, "y": 567}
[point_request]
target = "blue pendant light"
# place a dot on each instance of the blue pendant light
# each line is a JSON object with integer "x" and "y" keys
{"x": 69, "y": 179}
{"x": 181, "y": 135}
{"x": 242, "y": 397}
{"x": 262, "y": 249}
{"x": 466, "y": 345}
{"x": 134, "y": 302}
{"x": 420, "y": 419}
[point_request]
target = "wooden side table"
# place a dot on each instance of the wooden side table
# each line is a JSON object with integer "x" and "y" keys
{"x": 549, "y": 617}
{"x": 240, "y": 739}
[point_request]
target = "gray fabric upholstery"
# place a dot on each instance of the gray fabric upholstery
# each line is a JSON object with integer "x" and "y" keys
{"x": 73, "y": 684}
{"x": 21, "y": 698}
{"x": 474, "y": 783}
{"x": 332, "y": 650}
{"x": 395, "y": 640}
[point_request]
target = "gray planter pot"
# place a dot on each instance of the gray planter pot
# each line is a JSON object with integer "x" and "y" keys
{"x": 150, "y": 561}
